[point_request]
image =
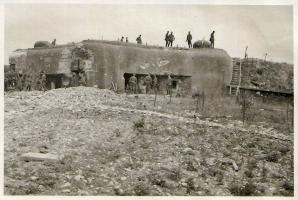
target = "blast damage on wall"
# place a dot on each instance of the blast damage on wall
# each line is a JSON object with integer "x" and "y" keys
{"x": 104, "y": 62}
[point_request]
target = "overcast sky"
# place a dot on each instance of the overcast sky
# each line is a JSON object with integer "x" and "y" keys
{"x": 265, "y": 29}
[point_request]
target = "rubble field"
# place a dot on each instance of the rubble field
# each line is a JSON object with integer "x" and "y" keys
{"x": 102, "y": 143}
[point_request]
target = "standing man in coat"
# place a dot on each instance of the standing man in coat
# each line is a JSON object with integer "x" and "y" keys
{"x": 188, "y": 39}
{"x": 212, "y": 39}
{"x": 148, "y": 83}
{"x": 171, "y": 39}
{"x": 169, "y": 85}
{"x": 139, "y": 39}
{"x": 167, "y": 39}
{"x": 133, "y": 83}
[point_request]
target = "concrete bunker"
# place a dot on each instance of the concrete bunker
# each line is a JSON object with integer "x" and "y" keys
{"x": 203, "y": 69}
{"x": 181, "y": 83}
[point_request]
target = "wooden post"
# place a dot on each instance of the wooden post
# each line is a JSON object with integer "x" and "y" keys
{"x": 155, "y": 89}
{"x": 243, "y": 106}
{"x": 203, "y": 100}
{"x": 287, "y": 111}
{"x": 197, "y": 104}
{"x": 170, "y": 95}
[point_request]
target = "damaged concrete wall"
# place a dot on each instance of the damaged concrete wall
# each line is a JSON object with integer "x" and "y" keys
{"x": 210, "y": 69}
{"x": 51, "y": 60}
{"x": 103, "y": 62}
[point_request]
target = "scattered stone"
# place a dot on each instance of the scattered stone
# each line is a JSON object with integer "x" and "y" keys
{"x": 83, "y": 193}
{"x": 66, "y": 191}
{"x": 78, "y": 177}
{"x": 234, "y": 165}
{"x": 188, "y": 150}
{"x": 33, "y": 178}
{"x": 40, "y": 157}
{"x": 230, "y": 161}
{"x": 41, "y": 188}
{"x": 184, "y": 184}
{"x": 211, "y": 161}
{"x": 65, "y": 185}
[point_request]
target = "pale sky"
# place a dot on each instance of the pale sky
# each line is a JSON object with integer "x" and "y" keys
{"x": 265, "y": 29}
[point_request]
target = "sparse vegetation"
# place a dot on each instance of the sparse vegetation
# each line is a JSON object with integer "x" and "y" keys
{"x": 247, "y": 189}
{"x": 140, "y": 123}
{"x": 105, "y": 154}
{"x": 273, "y": 156}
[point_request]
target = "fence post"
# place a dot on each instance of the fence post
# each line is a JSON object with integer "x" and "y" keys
{"x": 203, "y": 100}
{"x": 155, "y": 96}
{"x": 197, "y": 104}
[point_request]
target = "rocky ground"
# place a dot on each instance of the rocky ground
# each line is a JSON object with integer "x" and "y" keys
{"x": 118, "y": 144}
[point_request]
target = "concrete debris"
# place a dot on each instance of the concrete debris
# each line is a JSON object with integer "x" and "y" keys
{"x": 40, "y": 157}
{"x": 65, "y": 185}
{"x": 231, "y": 162}
{"x": 211, "y": 161}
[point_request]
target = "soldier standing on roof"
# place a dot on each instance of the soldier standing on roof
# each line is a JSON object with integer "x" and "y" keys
{"x": 212, "y": 39}
{"x": 167, "y": 39}
{"x": 148, "y": 82}
{"x": 171, "y": 39}
{"x": 188, "y": 39}
{"x": 133, "y": 83}
{"x": 54, "y": 42}
{"x": 169, "y": 85}
{"x": 139, "y": 39}
{"x": 245, "y": 55}
{"x": 126, "y": 40}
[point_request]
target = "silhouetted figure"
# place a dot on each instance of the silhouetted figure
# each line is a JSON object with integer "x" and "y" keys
{"x": 167, "y": 39}
{"x": 212, "y": 39}
{"x": 245, "y": 55}
{"x": 74, "y": 80}
{"x": 133, "y": 83}
{"x": 122, "y": 39}
{"x": 148, "y": 83}
{"x": 43, "y": 80}
{"x": 169, "y": 85}
{"x": 126, "y": 39}
{"x": 82, "y": 79}
{"x": 54, "y": 42}
{"x": 139, "y": 39}
{"x": 171, "y": 39}
{"x": 188, "y": 39}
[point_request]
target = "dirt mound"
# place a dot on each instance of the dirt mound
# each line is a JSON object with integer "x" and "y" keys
{"x": 268, "y": 75}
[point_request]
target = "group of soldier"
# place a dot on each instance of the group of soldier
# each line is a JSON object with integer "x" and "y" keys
{"x": 150, "y": 84}
{"x": 122, "y": 39}
{"x": 78, "y": 79}
{"x": 169, "y": 38}
{"x": 24, "y": 81}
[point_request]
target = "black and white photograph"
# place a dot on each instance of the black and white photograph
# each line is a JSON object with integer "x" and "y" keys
{"x": 149, "y": 99}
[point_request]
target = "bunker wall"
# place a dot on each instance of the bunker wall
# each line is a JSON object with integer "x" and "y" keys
{"x": 209, "y": 69}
